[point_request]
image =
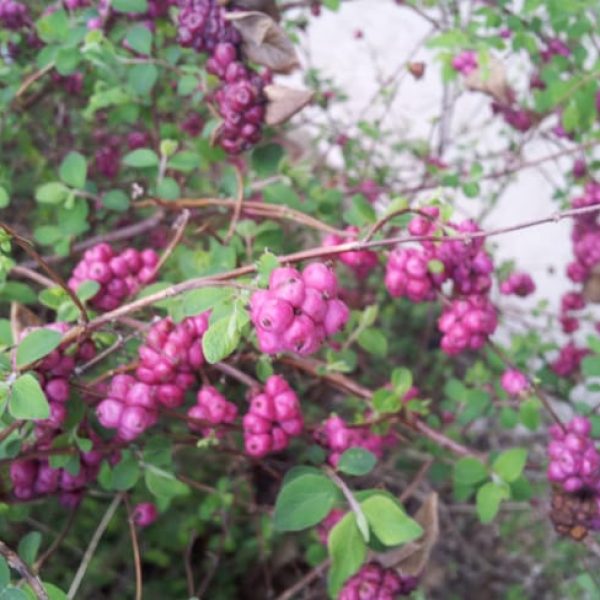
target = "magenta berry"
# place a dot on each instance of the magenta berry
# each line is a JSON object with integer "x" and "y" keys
{"x": 514, "y": 382}
{"x": 144, "y": 514}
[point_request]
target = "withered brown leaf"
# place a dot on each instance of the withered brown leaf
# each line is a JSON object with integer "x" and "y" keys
{"x": 491, "y": 81}
{"x": 284, "y": 102}
{"x": 264, "y": 41}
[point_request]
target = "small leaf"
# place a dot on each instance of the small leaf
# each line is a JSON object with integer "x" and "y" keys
{"x": 266, "y": 159}
{"x": 266, "y": 264}
{"x": 73, "y": 170}
{"x": 510, "y": 464}
{"x": 489, "y": 497}
{"x": 52, "y": 193}
{"x": 347, "y": 550}
{"x": 139, "y": 39}
{"x": 27, "y": 400}
{"x": 115, "y": 200}
{"x": 469, "y": 471}
{"x": 36, "y": 345}
{"x": 389, "y": 522}
{"x": 130, "y": 6}
{"x": 220, "y": 340}
{"x": 4, "y": 573}
{"x": 163, "y": 484}
{"x": 142, "y": 78}
{"x": 29, "y": 546}
{"x": 373, "y": 341}
{"x": 357, "y": 461}
{"x": 125, "y": 474}
{"x": 4, "y": 198}
{"x": 303, "y": 502}
{"x": 141, "y": 158}
{"x": 203, "y": 299}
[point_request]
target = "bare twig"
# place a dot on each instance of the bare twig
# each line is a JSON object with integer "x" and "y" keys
{"x": 315, "y": 573}
{"x": 237, "y": 211}
{"x": 136, "y": 550}
{"x": 89, "y": 553}
{"x": 57, "y": 542}
{"x": 18, "y": 564}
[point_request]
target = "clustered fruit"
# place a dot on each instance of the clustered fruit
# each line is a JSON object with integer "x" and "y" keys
{"x": 240, "y": 98}
{"x": 168, "y": 361}
{"x": 273, "y": 418}
{"x": 54, "y": 372}
{"x": 574, "y": 460}
{"x": 465, "y": 62}
{"x": 518, "y": 284}
{"x": 569, "y": 359}
{"x": 362, "y": 262}
{"x": 337, "y": 436}
{"x": 299, "y": 310}
{"x": 211, "y": 407}
{"x": 119, "y": 275}
{"x": 374, "y": 582}
{"x": 13, "y": 15}
{"x": 418, "y": 274}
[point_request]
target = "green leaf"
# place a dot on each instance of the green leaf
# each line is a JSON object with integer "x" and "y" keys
{"x": 29, "y": 546}
{"x": 125, "y": 474}
{"x": 115, "y": 200}
{"x": 402, "y": 380}
{"x": 203, "y": 299}
{"x": 139, "y": 39}
{"x": 386, "y": 401}
{"x": 27, "y": 400}
{"x": 304, "y": 502}
{"x": 265, "y": 159}
{"x": 184, "y": 161}
{"x": 163, "y": 484}
{"x": 54, "y": 593}
{"x": 130, "y": 6}
{"x": 168, "y": 189}
{"x": 529, "y": 413}
{"x": 67, "y": 60}
{"x": 220, "y": 340}
{"x": 266, "y": 264}
{"x": 52, "y": 193}
{"x": 373, "y": 341}
{"x": 510, "y": 464}
{"x": 347, "y": 550}
{"x": 389, "y": 522}
{"x": 4, "y": 573}
{"x": 360, "y": 213}
{"x": 53, "y": 27}
{"x": 357, "y": 461}
{"x": 489, "y": 497}
{"x": 4, "y": 198}
{"x": 73, "y": 170}
{"x": 13, "y": 593}
{"x": 469, "y": 471}
{"x": 142, "y": 78}
{"x": 590, "y": 366}
{"x": 87, "y": 289}
{"x": 36, "y": 345}
{"x": 141, "y": 158}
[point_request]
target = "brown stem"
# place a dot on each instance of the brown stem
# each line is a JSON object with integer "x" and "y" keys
{"x": 237, "y": 210}
{"x": 179, "y": 226}
{"x": 57, "y": 541}
{"x": 136, "y": 549}
{"x": 231, "y": 371}
{"x": 315, "y": 573}
{"x": 18, "y": 564}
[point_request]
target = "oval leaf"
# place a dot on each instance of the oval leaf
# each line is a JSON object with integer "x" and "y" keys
{"x": 27, "y": 400}
{"x": 389, "y": 522}
{"x": 36, "y": 345}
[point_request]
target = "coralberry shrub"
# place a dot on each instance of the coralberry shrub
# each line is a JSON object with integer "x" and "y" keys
{"x": 257, "y": 341}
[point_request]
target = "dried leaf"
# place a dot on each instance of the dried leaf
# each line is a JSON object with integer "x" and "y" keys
{"x": 591, "y": 287}
{"x": 410, "y": 559}
{"x": 284, "y": 102}
{"x": 492, "y": 81}
{"x": 265, "y": 6}
{"x": 265, "y": 42}
{"x": 21, "y": 318}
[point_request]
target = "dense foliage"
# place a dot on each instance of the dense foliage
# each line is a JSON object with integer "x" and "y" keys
{"x": 239, "y": 365}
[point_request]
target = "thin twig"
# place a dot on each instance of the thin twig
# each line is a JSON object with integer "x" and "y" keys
{"x": 57, "y": 541}
{"x": 315, "y": 573}
{"x": 20, "y": 566}
{"x": 89, "y": 553}
{"x": 231, "y": 371}
{"x": 179, "y": 226}
{"x": 136, "y": 550}
{"x": 33, "y": 275}
{"x": 237, "y": 211}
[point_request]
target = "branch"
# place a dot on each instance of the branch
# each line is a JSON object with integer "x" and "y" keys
{"x": 136, "y": 550}
{"x": 19, "y": 565}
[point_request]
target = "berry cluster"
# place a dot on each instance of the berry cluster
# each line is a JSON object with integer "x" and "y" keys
{"x": 518, "y": 284}
{"x": 211, "y": 407}
{"x": 202, "y": 26}
{"x": 119, "y": 275}
{"x": 335, "y": 435}
{"x": 13, "y": 15}
{"x": 469, "y": 318}
{"x": 585, "y": 235}
{"x": 240, "y": 99}
{"x": 568, "y": 360}
{"x": 167, "y": 362}
{"x": 513, "y": 382}
{"x": 570, "y": 303}
{"x": 374, "y": 582}
{"x": 299, "y": 310}
{"x": 467, "y": 324}
{"x": 574, "y": 459}
{"x": 362, "y": 262}
{"x": 54, "y": 371}
{"x": 274, "y": 416}
{"x": 465, "y": 62}
{"x": 31, "y": 478}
